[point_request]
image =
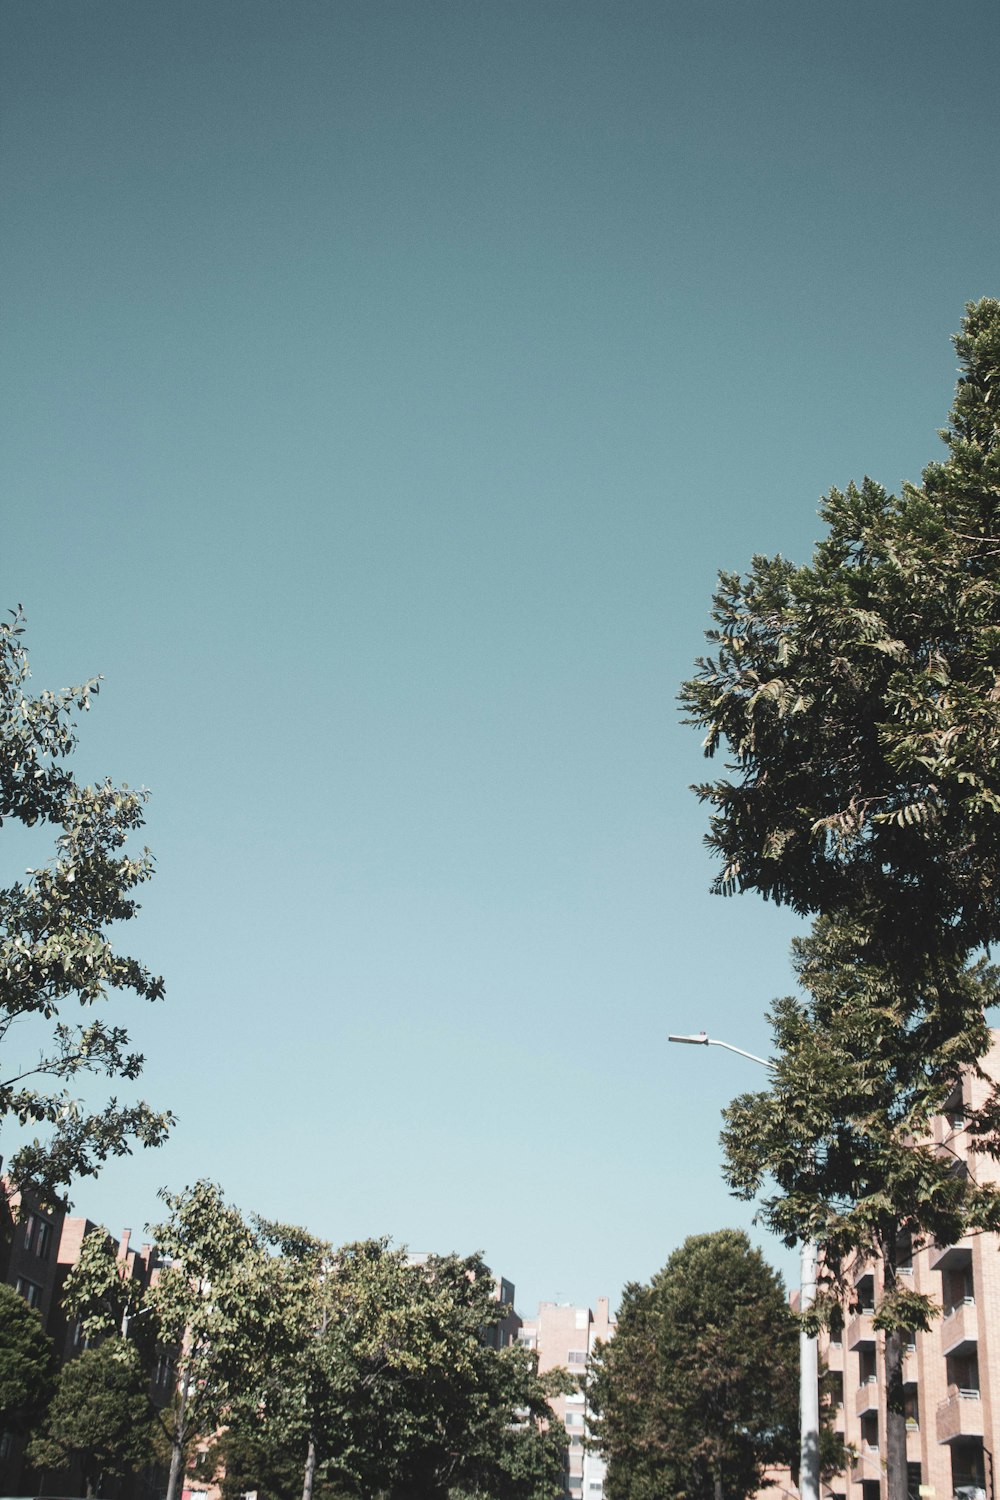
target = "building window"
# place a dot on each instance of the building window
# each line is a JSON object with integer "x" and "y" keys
{"x": 30, "y": 1291}
{"x": 577, "y": 1357}
{"x": 37, "y": 1236}
{"x": 836, "y": 1328}
{"x": 911, "y": 1405}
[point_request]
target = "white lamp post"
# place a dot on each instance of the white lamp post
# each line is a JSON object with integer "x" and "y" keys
{"x": 808, "y": 1350}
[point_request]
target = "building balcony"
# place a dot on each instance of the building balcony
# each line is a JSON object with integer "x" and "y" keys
{"x": 960, "y": 1416}
{"x": 959, "y": 1326}
{"x": 860, "y": 1330}
{"x": 866, "y": 1397}
{"x": 951, "y": 1257}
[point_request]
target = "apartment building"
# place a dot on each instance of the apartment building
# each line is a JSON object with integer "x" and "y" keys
{"x": 951, "y": 1372}
{"x": 564, "y": 1335}
{"x": 38, "y": 1247}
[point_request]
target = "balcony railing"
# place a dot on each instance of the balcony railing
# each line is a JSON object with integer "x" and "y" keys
{"x": 866, "y": 1398}
{"x": 960, "y": 1415}
{"x": 959, "y": 1325}
{"x": 861, "y": 1330}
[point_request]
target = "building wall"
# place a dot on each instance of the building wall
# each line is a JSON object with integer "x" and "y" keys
{"x": 565, "y": 1336}
{"x": 38, "y": 1248}
{"x": 952, "y": 1372}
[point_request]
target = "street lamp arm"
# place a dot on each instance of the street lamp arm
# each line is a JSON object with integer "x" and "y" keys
{"x": 701, "y": 1039}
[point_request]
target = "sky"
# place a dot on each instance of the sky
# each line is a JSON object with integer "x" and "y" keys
{"x": 384, "y": 384}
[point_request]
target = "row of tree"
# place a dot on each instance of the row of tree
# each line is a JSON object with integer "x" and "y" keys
{"x": 859, "y": 700}
{"x": 294, "y": 1369}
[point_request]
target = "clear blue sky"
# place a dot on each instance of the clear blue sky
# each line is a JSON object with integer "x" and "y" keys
{"x": 384, "y": 384}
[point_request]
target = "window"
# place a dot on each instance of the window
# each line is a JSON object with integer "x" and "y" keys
{"x": 30, "y": 1291}
{"x": 574, "y": 1419}
{"x": 37, "y": 1236}
{"x": 958, "y": 1288}
{"x": 577, "y": 1356}
{"x": 836, "y": 1328}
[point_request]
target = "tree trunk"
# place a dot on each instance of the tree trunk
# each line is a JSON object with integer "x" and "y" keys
{"x": 895, "y": 1408}
{"x": 178, "y": 1439}
{"x": 718, "y": 1484}
{"x": 310, "y": 1471}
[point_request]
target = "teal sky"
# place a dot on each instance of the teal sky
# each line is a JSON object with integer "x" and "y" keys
{"x": 383, "y": 385}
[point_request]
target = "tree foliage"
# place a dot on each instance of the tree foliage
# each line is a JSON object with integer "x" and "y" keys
{"x": 27, "y": 1363}
{"x": 395, "y": 1390}
{"x": 99, "y": 1416}
{"x": 860, "y": 1070}
{"x": 697, "y": 1392}
{"x": 859, "y": 699}
{"x": 55, "y": 947}
{"x": 222, "y": 1303}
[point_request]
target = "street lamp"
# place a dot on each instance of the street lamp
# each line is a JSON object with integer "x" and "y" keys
{"x": 808, "y": 1349}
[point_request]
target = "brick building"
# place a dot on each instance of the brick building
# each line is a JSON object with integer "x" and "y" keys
{"x": 565, "y": 1335}
{"x": 38, "y": 1246}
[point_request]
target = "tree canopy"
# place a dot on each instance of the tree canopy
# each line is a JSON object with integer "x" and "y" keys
{"x": 394, "y": 1388}
{"x": 27, "y": 1363}
{"x": 55, "y": 946}
{"x": 99, "y": 1416}
{"x": 698, "y": 1392}
{"x": 419, "y": 1402}
{"x": 859, "y": 698}
{"x": 221, "y": 1303}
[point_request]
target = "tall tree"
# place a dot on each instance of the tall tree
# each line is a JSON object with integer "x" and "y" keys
{"x": 859, "y": 699}
{"x": 56, "y": 951}
{"x": 697, "y": 1392}
{"x": 221, "y": 1303}
{"x": 99, "y": 1417}
{"x": 419, "y": 1402}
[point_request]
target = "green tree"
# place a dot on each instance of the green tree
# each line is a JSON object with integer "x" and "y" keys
{"x": 844, "y": 1131}
{"x": 419, "y": 1404}
{"x": 697, "y": 1391}
{"x": 99, "y": 1417}
{"x": 55, "y": 948}
{"x": 858, "y": 699}
{"x": 222, "y": 1303}
{"x": 27, "y": 1363}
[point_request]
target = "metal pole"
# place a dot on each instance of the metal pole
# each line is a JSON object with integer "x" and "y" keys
{"x": 808, "y": 1346}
